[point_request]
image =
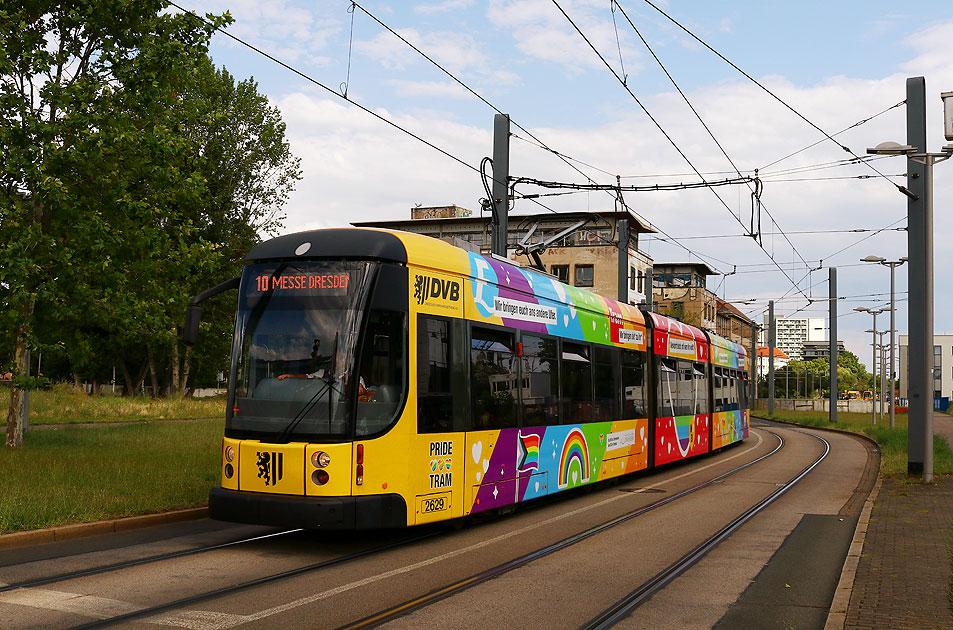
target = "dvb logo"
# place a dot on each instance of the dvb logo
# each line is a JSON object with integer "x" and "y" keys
{"x": 427, "y": 287}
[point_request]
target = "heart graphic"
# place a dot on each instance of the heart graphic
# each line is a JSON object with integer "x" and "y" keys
{"x": 565, "y": 320}
{"x": 537, "y": 486}
{"x": 476, "y": 451}
{"x": 486, "y": 464}
{"x": 479, "y": 475}
{"x": 575, "y": 477}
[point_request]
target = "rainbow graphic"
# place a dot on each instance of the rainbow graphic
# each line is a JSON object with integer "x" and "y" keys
{"x": 527, "y": 452}
{"x": 574, "y": 450}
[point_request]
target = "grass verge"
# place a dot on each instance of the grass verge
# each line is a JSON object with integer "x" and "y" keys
{"x": 892, "y": 442}
{"x": 71, "y": 475}
{"x": 63, "y": 404}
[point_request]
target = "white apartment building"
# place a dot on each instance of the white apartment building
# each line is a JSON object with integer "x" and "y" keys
{"x": 942, "y": 366}
{"x": 792, "y": 332}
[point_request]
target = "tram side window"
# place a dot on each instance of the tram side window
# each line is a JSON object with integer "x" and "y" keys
{"x": 434, "y": 384}
{"x": 540, "y": 373}
{"x": 381, "y": 386}
{"x": 743, "y": 391}
{"x": 576, "y": 376}
{"x": 700, "y": 388}
{"x": 495, "y": 378}
{"x": 717, "y": 390}
{"x": 633, "y": 384}
{"x": 607, "y": 383}
{"x": 732, "y": 400}
{"x": 685, "y": 403}
{"x": 667, "y": 389}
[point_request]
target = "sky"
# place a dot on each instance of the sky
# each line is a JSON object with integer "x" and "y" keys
{"x": 630, "y": 108}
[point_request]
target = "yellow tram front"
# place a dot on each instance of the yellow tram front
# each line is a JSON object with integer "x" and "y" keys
{"x": 318, "y": 381}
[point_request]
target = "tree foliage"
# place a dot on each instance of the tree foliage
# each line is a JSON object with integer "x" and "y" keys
{"x": 135, "y": 174}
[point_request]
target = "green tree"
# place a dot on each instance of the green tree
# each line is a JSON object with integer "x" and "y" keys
{"x": 83, "y": 87}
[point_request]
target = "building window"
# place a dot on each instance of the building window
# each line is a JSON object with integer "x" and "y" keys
{"x": 561, "y": 272}
{"x": 641, "y": 280}
{"x": 583, "y": 276}
{"x": 632, "y": 278}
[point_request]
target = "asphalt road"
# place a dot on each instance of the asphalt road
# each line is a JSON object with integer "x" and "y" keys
{"x": 775, "y": 559}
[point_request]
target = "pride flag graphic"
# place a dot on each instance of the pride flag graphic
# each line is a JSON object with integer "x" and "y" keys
{"x": 575, "y": 455}
{"x": 528, "y": 452}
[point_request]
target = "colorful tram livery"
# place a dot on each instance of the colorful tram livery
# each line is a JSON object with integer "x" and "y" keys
{"x": 386, "y": 379}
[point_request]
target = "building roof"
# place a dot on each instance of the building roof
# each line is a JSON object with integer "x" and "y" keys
{"x": 731, "y": 308}
{"x": 778, "y": 354}
{"x": 635, "y": 223}
{"x": 699, "y": 267}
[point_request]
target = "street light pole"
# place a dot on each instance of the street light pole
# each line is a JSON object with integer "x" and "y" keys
{"x": 893, "y": 264}
{"x": 873, "y": 358}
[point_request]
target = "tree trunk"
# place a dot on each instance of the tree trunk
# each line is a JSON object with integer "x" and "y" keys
{"x": 174, "y": 379}
{"x": 152, "y": 371}
{"x": 141, "y": 379}
{"x": 129, "y": 386}
{"x": 14, "y": 436}
{"x": 186, "y": 368}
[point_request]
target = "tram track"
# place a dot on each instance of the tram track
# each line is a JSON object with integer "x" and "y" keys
{"x": 501, "y": 569}
{"x": 628, "y": 604}
{"x": 407, "y": 607}
{"x": 116, "y": 566}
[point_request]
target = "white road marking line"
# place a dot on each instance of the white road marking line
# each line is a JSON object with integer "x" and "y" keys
{"x": 453, "y": 554}
{"x": 104, "y": 608}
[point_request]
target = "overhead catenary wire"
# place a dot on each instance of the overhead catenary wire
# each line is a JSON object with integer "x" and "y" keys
{"x": 826, "y": 135}
{"x": 566, "y": 159}
{"x": 657, "y": 124}
{"x": 332, "y": 91}
{"x": 845, "y": 129}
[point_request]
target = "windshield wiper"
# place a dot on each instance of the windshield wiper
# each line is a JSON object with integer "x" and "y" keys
{"x": 328, "y": 387}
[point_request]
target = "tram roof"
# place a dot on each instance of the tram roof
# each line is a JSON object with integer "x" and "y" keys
{"x": 400, "y": 247}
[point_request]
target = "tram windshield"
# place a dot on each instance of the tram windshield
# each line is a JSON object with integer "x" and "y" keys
{"x": 296, "y": 349}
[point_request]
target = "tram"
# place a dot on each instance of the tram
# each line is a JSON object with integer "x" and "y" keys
{"x": 387, "y": 379}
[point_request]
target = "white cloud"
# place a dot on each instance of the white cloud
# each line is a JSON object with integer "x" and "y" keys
{"x": 455, "y": 51}
{"x": 433, "y": 89}
{"x": 443, "y": 7}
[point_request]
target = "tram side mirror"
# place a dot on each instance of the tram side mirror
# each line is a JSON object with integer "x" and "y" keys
{"x": 193, "y": 317}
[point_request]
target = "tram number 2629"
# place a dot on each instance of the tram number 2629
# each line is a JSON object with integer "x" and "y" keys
{"x": 435, "y": 504}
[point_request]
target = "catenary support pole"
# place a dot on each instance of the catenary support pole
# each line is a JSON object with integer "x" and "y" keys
{"x": 500, "y": 189}
{"x": 752, "y": 368}
{"x": 833, "y": 352}
{"x": 920, "y": 286}
{"x": 771, "y": 357}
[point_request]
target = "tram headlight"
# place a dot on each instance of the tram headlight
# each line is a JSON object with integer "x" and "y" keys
{"x": 320, "y": 477}
{"x": 229, "y": 453}
{"x": 320, "y": 459}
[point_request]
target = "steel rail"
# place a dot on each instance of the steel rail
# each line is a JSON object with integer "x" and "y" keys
{"x": 62, "y": 577}
{"x": 489, "y": 574}
{"x": 185, "y": 601}
{"x": 624, "y": 607}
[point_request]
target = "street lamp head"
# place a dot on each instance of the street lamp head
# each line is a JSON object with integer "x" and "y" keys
{"x": 892, "y": 148}
{"x": 862, "y": 309}
{"x": 873, "y": 259}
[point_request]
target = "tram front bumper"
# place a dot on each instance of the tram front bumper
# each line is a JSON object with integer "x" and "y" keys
{"x": 336, "y": 513}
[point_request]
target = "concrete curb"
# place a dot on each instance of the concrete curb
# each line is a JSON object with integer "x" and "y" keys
{"x": 837, "y": 616}
{"x": 81, "y": 530}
